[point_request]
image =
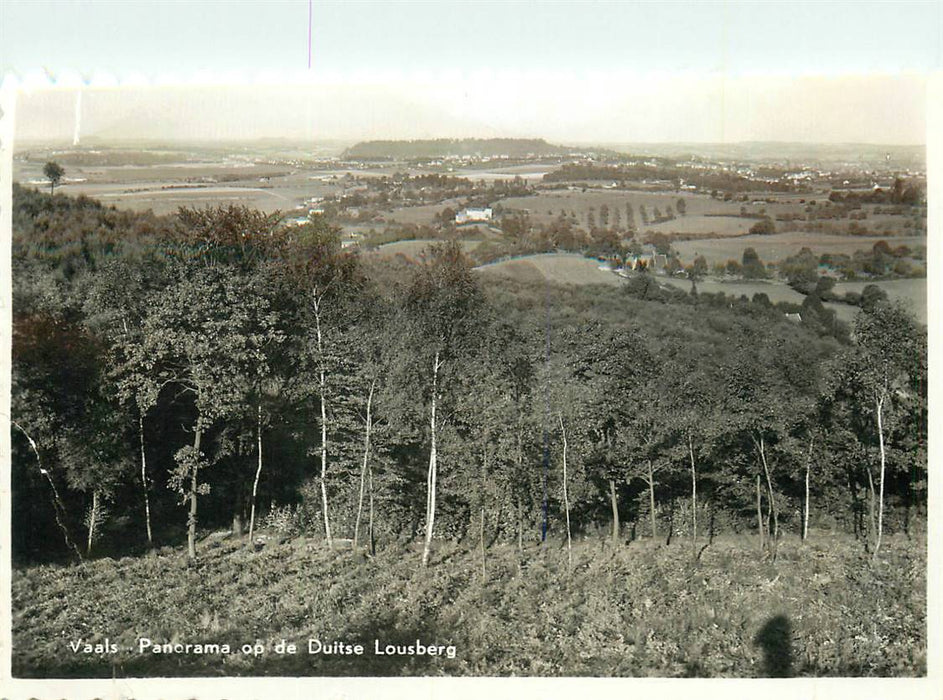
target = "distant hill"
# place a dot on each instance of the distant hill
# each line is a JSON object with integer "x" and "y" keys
{"x": 865, "y": 155}
{"x": 444, "y": 148}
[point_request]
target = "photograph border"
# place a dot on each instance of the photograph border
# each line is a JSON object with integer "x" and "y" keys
{"x": 470, "y": 687}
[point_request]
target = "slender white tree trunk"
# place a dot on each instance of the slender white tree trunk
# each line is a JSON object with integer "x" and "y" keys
{"x": 759, "y": 511}
{"x": 805, "y": 514}
{"x": 372, "y": 542}
{"x": 194, "y": 484}
{"x": 147, "y": 500}
{"x": 566, "y": 498}
{"x": 615, "y": 511}
{"x": 651, "y": 499}
{"x": 92, "y": 521}
{"x": 481, "y": 542}
{"x": 693, "y": 494}
{"x": 57, "y": 506}
{"x": 774, "y": 533}
{"x": 258, "y": 473}
{"x": 433, "y": 465}
{"x": 363, "y": 470}
{"x": 880, "y": 421}
{"x": 322, "y": 390}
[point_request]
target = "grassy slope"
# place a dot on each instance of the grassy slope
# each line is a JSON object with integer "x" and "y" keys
{"x": 644, "y": 610}
{"x": 781, "y": 245}
{"x": 414, "y": 249}
{"x": 561, "y": 268}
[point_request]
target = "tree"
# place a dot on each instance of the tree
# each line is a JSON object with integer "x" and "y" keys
{"x": 53, "y": 172}
{"x": 801, "y": 270}
{"x": 662, "y": 243}
{"x": 752, "y": 265}
{"x": 764, "y": 227}
{"x": 698, "y": 269}
{"x": 629, "y": 217}
{"x": 115, "y": 305}
{"x": 681, "y": 206}
{"x": 645, "y": 431}
{"x": 879, "y": 378}
{"x": 373, "y": 337}
{"x": 206, "y": 335}
{"x": 694, "y": 421}
{"x": 328, "y": 282}
{"x": 55, "y": 381}
{"x": 615, "y": 371}
{"x": 441, "y": 305}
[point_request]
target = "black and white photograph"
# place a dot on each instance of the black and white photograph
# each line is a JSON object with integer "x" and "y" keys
{"x": 355, "y": 342}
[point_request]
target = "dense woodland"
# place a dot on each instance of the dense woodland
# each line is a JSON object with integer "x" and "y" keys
{"x": 216, "y": 370}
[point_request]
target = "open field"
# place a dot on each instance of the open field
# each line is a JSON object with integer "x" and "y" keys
{"x": 561, "y": 268}
{"x": 913, "y": 292}
{"x": 424, "y": 214}
{"x": 198, "y": 179}
{"x": 529, "y": 171}
{"x": 777, "y": 246}
{"x": 414, "y": 249}
{"x": 704, "y": 215}
{"x": 546, "y": 206}
{"x": 164, "y": 189}
{"x": 644, "y": 609}
{"x": 776, "y": 291}
{"x": 701, "y": 225}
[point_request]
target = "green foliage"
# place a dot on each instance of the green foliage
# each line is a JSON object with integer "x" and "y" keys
{"x": 221, "y": 322}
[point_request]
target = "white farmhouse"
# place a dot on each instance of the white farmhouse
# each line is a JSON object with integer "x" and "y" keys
{"x": 469, "y": 215}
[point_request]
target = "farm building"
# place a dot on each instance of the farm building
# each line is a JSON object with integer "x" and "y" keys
{"x": 468, "y": 215}
{"x": 651, "y": 261}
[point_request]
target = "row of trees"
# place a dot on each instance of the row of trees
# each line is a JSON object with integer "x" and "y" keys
{"x": 171, "y": 374}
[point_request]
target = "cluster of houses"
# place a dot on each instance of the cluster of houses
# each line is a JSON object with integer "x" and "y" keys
{"x": 650, "y": 260}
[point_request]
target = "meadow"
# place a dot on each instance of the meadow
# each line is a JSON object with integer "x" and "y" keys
{"x": 415, "y": 249}
{"x": 776, "y": 291}
{"x": 638, "y": 609}
{"x": 546, "y": 205}
{"x": 559, "y": 268}
{"x": 778, "y": 246}
{"x": 913, "y": 292}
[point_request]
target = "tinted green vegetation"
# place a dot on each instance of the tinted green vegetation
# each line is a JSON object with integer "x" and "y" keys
{"x": 217, "y": 370}
{"x": 640, "y": 610}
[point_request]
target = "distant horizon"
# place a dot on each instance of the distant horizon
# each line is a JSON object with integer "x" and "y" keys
{"x": 90, "y": 141}
{"x": 608, "y": 108}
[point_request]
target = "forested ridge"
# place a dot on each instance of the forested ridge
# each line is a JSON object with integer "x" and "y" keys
{"x": 217, "y": 370}
{"x": 453, "y": 148}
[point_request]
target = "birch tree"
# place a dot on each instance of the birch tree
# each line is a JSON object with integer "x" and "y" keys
{"x": 328, "y": 284}
{"x": 879, "y": 379}
{"x": 441, "y": 305}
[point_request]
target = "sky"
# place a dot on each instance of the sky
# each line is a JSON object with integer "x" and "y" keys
{"x": 581, "y": 72}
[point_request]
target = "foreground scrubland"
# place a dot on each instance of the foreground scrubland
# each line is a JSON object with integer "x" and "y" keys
{"x": 643, "y": 609}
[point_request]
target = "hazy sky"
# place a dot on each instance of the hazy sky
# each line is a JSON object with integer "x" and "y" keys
{"x": 588, "y": 71}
